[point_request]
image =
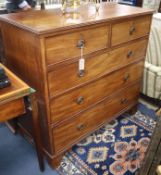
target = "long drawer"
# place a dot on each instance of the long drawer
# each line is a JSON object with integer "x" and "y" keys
{"x": 66, "y": 46}
{"x": 65, "y": 77}
{"x": 66, "y": 105}
{"x": 130, "y": 30}
{"x": 74, "y": 129}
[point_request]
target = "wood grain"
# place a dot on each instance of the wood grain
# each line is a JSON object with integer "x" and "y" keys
{"x": 40, "y": 46}
{"x": 64, "y": 46}
{"x": 67, "y": 105}
{"x": 65, "y": 77}
{"x": 20, "y": 54}
{"x": 17, "y": 88}
{"x": 71, "y": 130}
{"x": 49, "y": 21}
{"x": 11, "y": 109}
{"x": 12, "y": 104}
{"x": 130, "y": 30}
{"x": 25, "y": 58}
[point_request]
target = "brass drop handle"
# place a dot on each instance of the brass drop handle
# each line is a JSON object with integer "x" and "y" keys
{"x": 81, "y": 43}
{"x": 80, "y": 127}
{"x": 80, "y": 100}
{"x": 124, "y": 101}
{"x": 126, "y": 77}
{"x": 132, "y": 30}
{"x": 81, "y": 73}
{"x": 129, "y": 54}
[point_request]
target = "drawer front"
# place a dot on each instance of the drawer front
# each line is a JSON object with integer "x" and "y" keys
{"x": 59, "y": 48}
{"x": 12, "y": 109}
{"x": 65, "y": 77}
{"x": 129, "y": 30}
{"x": 73, "y": 130}
{"x": 66, "y": 105}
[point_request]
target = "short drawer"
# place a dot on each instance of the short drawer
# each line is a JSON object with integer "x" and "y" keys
{"x": 12, "y": 109}
{"x": 65, "y": 77}
{"x": 79, "y": 99}
{"x": 66, "y": 46}
{"x": 130, "y": 30}
{"x": 73, "y": 130}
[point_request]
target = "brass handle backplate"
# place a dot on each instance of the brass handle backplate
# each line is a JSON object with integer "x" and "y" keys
{"x": 129, "y": 54}
{"x": 126, "y": 76}
{"x": 132, "y": 30}
{"x": 81, "y": 43}
{"x": 80, "y": 100}
{"x": 81, "y": 73}
{"x": 80, "y": 127}
{"x": 124, "y": 101}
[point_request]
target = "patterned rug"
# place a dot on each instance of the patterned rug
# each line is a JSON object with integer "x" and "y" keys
{"x": 118, "y": 148}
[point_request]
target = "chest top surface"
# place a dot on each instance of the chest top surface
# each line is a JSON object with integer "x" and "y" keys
{"x": 47, "y": 21}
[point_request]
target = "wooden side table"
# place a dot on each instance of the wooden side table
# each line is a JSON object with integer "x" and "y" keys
{"x": 12, "y": 105}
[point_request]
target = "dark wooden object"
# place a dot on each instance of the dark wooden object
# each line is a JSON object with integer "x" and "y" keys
{"x": 12, "y": 105}
{"x": 45, "y": 53}
{"x": 139, "y": 3}
{"x": 153, "y": 155}
{"x": 159, "y": 8}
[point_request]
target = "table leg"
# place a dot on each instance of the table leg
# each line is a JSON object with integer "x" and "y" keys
{"x": 36, "y": 130}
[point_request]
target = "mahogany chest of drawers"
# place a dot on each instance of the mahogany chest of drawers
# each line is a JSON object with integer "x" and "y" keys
{"x": 42, "y": 48}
